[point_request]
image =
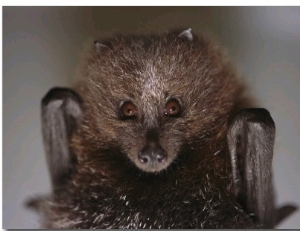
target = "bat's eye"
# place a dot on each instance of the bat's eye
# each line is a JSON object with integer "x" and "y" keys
{"x": 172, "y": 108}
{"x": 128, "y": 110}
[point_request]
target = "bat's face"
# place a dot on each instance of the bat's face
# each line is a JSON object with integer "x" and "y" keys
{"x": 144, "y": 121}
{"x": 148, "y": 101}
{"x": 153, "y": 129}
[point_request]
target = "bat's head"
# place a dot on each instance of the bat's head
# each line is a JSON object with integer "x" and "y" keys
{"x": 148, "y": 96}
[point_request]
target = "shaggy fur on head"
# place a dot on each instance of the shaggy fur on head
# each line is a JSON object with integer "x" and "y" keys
{"x": 110, "y": 187}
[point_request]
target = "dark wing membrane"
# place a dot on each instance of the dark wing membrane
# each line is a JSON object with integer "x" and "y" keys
{"x": 250, "y": 139}
{"x": 61, "y": 115}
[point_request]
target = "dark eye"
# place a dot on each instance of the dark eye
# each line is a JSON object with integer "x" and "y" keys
{"x": 172, "y": 108}
{"x": 128, "y": 110}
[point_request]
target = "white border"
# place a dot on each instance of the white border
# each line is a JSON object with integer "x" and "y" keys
{"x": 150, "y": 3}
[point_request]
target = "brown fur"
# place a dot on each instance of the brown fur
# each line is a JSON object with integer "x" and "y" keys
{"x": 194, "y": 190}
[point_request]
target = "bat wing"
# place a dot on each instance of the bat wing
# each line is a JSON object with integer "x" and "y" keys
{"x": 61, "y": 115}
{"x": 250, "y": 139}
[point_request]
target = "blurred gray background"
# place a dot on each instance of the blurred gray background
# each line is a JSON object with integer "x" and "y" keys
{"x": 42, "y": 47}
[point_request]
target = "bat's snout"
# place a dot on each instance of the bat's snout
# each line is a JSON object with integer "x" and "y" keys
{"x": 152, "y": 157}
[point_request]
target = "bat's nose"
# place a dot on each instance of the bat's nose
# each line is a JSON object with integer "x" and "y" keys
{"x": 152, "y": 154}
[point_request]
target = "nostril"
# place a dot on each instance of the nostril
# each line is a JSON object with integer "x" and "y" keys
{"x": 159, "y": 154}
{"x": 144, "y": 159}
{"x": 160, "y": 157}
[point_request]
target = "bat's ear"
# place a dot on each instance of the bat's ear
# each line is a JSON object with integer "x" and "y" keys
{"x": 187, "y": 34}
{"x": 61, "y": 116}
{"x": 98, "y": 46}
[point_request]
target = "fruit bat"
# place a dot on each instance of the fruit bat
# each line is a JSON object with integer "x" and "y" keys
{"x": 158, "y": 132}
